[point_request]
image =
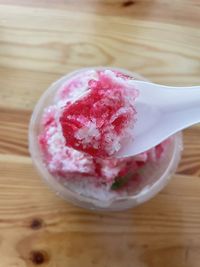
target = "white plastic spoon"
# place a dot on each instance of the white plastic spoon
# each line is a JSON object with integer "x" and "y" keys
{"x": 161, "y": 112}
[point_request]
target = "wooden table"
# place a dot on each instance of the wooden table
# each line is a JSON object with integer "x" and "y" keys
{"x": 41, "y": 40}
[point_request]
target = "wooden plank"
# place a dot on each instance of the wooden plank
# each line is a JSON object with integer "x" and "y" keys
{"x": 159, "y": 10}
{"x": 47, "y": 44}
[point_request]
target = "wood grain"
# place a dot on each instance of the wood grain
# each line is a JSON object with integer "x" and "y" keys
{"x": 155, "y": 10}
{"x": 39, "y": 42}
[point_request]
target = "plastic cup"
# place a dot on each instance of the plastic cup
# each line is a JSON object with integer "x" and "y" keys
{"x": 155, "y": 175}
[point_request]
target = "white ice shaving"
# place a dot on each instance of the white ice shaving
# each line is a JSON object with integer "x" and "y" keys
{"x": 78, "y": 89}
{"x": 89, "y": 133}
{"x": 67, "y": 159}
{"x": 87, "y": 188}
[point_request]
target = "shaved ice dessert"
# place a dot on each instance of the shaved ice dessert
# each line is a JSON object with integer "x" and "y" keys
{"x": 90, "y": 115}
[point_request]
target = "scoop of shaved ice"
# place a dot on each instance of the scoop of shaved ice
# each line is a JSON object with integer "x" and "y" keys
{"x": 100, "y": 119}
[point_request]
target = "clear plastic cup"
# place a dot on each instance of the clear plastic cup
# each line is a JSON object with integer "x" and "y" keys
{"x": 155, "y": 176}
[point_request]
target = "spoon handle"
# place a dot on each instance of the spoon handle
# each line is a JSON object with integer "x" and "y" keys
{"x": 184, "y": 97}
{"x": 182, "y": 106}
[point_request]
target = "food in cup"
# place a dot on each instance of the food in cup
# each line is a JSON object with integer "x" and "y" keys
{"x": 91, "y": 114}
